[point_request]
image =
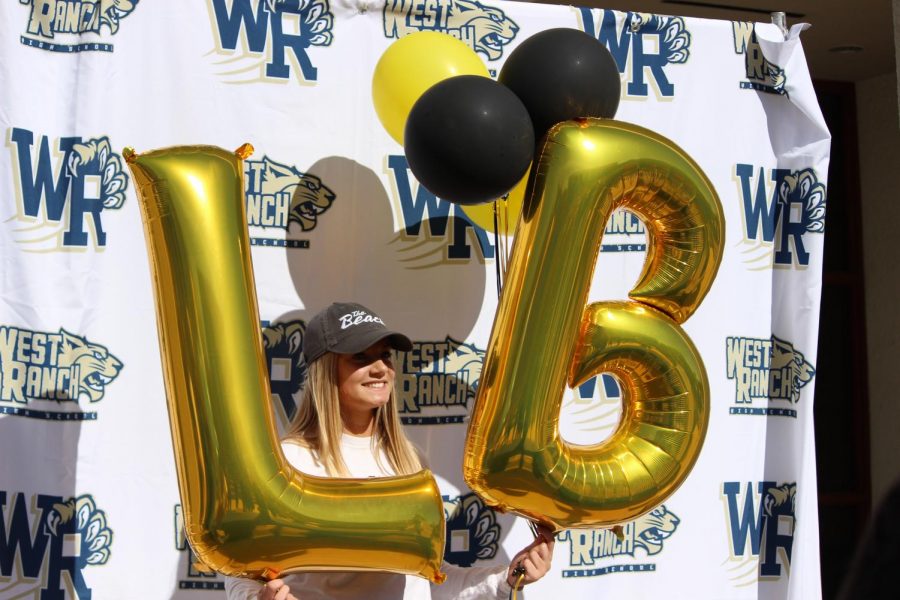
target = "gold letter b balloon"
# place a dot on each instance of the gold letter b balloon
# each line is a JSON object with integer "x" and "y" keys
{"x": 545, "y": 337}
{"x": 248, "y": 513}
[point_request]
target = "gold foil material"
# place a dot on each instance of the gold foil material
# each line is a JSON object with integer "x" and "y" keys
{"x": 247, "y": 512}
{"x": 545, "y": 337}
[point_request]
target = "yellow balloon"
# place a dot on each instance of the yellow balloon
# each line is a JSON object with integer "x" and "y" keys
{"x": 410, "y": 66}
{"x": 509, "y": 209}
{"x": 545, "y": 337}
{"x": 248, "y": 513}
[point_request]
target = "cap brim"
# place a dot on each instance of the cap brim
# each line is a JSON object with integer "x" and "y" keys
{"x": 398, "y": 341}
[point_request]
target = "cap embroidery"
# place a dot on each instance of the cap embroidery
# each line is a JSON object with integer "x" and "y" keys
{"x": 356, "y": 317}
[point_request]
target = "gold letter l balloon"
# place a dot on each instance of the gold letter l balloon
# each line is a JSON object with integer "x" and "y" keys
{"x": 247, "y": 511}
{"x": 545, "y": 337}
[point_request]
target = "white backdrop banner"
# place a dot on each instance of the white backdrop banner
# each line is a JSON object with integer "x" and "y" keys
{"x": 88, "y": 494}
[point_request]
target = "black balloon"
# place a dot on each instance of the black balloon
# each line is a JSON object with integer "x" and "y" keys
{"x": 562, "y": 74}
{"x": 468, "y": 139}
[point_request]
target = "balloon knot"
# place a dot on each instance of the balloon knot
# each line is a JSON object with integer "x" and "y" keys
{"x": 129, "y": 154}
{"x": 439, "y": 577}
{"x": 244, "y": 151}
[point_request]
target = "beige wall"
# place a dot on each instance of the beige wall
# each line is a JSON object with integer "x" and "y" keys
{"x": 879, "y": 157}
{"x": 895, "y": 13}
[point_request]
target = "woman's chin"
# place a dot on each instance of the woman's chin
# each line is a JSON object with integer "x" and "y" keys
{"x": 372, "y": 400}
{"x": 380, "y": 400}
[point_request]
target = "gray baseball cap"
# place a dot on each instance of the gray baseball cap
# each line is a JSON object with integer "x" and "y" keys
{"x": 347, "y": 328}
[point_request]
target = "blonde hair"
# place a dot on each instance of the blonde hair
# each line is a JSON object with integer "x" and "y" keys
{"x": 318, "y": 424}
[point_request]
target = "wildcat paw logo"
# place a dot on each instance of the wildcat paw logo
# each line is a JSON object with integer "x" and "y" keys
{"x": 282, "y": 344}
{"x": 643, "y": 46}
{"x": 436, "y": 381}
{"x": 472, "y": 531}
{"x": 44, "y": 537}
{"x": 62, "y": 25}
{"x": 762, "y": 75}
{"x": 485, "y": 29}
{"x": 61, "y": 201}
{"x": 767, "y": 370}
{"x": 192, "y": 575}
{"x": 781, "y": 210}
{"x": 644, "y": 537}
{"x": 761, "y": 519}
{"x": 258, "y": 41}
{"x": 280, "y": 196}
{"x": 52, "y": 376}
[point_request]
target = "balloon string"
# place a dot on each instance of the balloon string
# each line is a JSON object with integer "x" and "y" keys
{"x": 520, "y": 569}
{"x": 505, "y": 215}
{"x": 501, "y": 227}
{"x": 514, "y": 594}
{"x": 497, "y": 250}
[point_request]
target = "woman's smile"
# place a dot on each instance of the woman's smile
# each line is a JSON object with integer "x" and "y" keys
{"x": 365, "y": 382}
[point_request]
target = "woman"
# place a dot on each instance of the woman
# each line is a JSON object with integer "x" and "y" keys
{"x": 347, "y": 426}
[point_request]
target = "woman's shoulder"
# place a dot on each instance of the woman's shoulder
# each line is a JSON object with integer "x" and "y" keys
{"x": 295, "y": 440}
{"x": 420, "y": 454}
{"x": 302, "y": 456}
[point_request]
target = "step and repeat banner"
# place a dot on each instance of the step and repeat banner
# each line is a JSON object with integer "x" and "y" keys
{"x": 89, "y": 505}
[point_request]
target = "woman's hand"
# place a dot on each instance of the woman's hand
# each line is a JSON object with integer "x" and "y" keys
{"x": 533, "y": 561}
{"x": 276, "y": 589}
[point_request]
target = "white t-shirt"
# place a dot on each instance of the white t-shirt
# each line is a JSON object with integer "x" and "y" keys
{"x": 488, "y": 583}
